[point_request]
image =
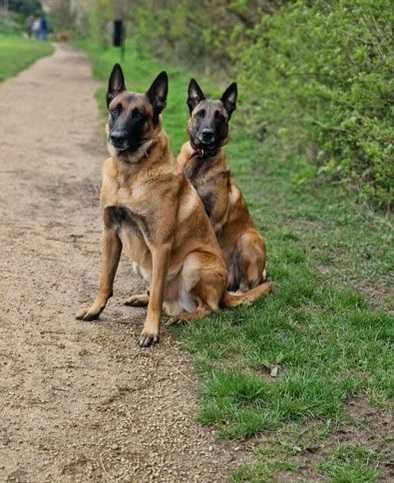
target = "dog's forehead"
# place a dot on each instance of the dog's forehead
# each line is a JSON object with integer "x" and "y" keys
{"x": 210, "y": 106}
{"x": 130, "y": 100}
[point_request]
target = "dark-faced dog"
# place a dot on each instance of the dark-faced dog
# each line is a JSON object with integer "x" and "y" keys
{"x": 152, "y": 211}
{"x": 204, "y": 163}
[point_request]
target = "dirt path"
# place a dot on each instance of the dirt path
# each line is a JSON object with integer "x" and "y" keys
{"x": 78, "y": 401}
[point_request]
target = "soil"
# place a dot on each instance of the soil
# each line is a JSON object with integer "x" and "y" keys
{"x": 79, "y": 401}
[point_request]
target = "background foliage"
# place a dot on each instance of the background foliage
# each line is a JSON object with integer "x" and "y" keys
{"x": 25, "y": 7}
{"x": 317, "y": 75}
{"x": 13, "y": 22}
{"x": 323, "y": 74}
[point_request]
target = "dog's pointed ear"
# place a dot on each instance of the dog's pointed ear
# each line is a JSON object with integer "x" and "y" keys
{"x": 116, "y": 83}
{"x": 229, "y": 98}
{"x": 194, "y": 95}
{"x": 157, "y": 93}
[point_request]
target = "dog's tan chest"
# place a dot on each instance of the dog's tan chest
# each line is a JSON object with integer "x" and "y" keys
{"x": 125, "y": 219}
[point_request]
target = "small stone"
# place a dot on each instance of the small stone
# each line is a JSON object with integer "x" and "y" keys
{"x": 274, "y": 371}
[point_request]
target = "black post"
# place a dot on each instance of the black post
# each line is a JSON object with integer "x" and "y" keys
{"x": 118, "y": 39}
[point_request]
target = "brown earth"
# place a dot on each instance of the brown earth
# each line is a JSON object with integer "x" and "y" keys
{"x": 79, "y": 401}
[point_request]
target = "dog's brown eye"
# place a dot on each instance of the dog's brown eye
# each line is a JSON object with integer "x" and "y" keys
{"x": 219, "y": 115}
{"x": 136, "y": 114}
{"x": 115, "y": 112}
{"x": 201, "y": 113}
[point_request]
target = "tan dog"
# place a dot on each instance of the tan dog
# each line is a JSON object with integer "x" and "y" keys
{"x": 204, "y": 163}
{"x": 152, "y": 211}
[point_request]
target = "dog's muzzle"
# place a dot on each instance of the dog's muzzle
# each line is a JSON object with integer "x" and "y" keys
{"x": 119, "y": 141}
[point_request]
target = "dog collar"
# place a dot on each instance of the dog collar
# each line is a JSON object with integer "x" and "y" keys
{"x": 203, "y": 153}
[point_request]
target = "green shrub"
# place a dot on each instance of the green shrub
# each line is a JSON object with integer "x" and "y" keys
{"x": 321, "y": 72}
{"x": 26, "y": 7}
{"x": 11, "y": 24}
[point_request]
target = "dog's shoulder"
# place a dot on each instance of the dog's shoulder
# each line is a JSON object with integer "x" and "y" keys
{"x": 185, "y": 154}
{"x": 238, "y": 208}
{"x": 109, "y": 167}
{"x": 109, "y": 182}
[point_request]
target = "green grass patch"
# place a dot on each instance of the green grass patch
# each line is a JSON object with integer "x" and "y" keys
{"x": 351, "y": 464}
{"x": 17, "y": 53}
{"x": 314, "y": 454}
{"x": 262, "y": 472}
{"x": 327, "y": 327}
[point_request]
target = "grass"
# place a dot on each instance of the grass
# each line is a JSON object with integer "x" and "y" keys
{"x": 17, "y": 53}
{"x": 350, "y": 464}
{"x": 328, "y": 327}
{"x": 346, "y": 464}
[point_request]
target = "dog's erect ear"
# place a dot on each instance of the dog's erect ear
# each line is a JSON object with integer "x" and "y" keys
{"x": 194, "y": 94}
{"x": 229, "y": 98}
{"x": 116, "y": 83}
{"x": 157, "y": 93}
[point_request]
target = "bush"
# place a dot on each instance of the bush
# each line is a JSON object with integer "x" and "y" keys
{"x": 11, "y": 23}
{"x": 200, "y": 33}
{"x": 26, "y": 7}
{"x": 321, "y": 72}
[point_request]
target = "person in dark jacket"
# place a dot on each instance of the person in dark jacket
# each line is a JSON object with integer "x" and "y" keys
{"x": 43, "y": 32}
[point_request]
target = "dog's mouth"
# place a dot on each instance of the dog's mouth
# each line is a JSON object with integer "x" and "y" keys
{"x": 120, "y": 146}
{"x": 124, "y": 145}
{"x": 204, "y": 149}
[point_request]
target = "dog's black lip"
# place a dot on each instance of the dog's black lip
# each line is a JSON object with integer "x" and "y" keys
{"x": 120, "y": 147}
{"x": 207, "y": 149}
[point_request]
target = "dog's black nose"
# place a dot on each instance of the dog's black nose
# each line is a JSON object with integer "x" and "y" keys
{"x": 207, "y": 135}
{"x": 118, "y": 138}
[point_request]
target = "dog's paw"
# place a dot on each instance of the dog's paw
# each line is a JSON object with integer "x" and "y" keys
{"x": 137, "y": 300}
{"x": 88, "y": 314}
{"x": 174, "y": 321}
{"x": 146, "y": 339}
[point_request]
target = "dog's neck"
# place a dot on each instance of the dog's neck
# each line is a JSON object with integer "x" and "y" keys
{"x": 132, "y": 157}
{"x": 199, "y": 156}
{"x": 197, "y": 166}
{"x": 136, "y": 156}
{"x": 152, "y": 152}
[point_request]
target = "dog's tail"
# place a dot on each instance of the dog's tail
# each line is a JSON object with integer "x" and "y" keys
{"x": 233, "y": 299}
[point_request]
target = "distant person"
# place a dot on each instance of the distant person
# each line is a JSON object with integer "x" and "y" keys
{"x": 29, "y": 25}
{"x": 35, "y": 28}
{"x": 43, "y": 31}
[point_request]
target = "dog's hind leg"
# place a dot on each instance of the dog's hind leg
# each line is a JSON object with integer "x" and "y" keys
{"x": 252, "y": 260}
{"x": 186, "y": 317}
{"x": 138, "y": 300}
{"x": 203, "y": 284}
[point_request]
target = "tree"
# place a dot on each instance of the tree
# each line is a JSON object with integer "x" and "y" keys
{"x": 25, "y": 7}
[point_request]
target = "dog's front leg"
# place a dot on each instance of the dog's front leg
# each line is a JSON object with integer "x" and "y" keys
{"x": 160, "y": 261}
{"x": 111, "y": 249}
